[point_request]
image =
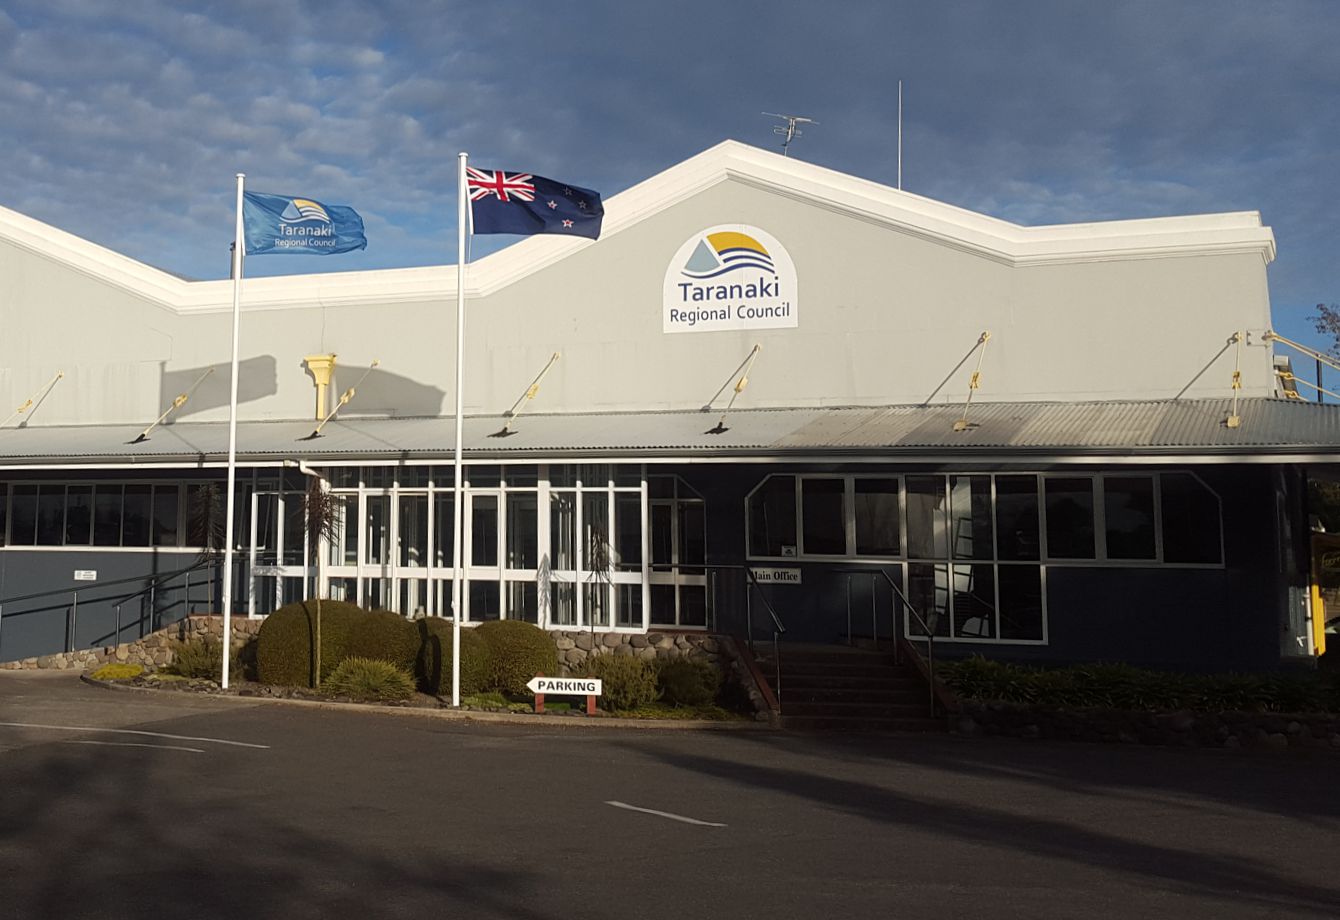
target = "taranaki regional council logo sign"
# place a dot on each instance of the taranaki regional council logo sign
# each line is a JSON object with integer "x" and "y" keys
{"x": 731, "y": 276}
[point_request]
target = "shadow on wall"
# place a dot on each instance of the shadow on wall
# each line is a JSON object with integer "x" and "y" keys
{"x": 257, "y": 378}
{"x": 381, "y": 392}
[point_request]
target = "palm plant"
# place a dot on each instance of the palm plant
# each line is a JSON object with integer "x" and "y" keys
{"x": 323, "y": 514}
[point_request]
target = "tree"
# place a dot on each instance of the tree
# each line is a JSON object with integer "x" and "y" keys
{"x": 322, "y": 515}
{"x": 1327, "y": 322}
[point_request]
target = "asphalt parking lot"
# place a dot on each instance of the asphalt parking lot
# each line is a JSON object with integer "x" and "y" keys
{"x": 134, "y": 805}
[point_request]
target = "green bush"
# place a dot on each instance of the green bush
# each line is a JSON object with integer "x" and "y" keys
{"x": 284, "y": 646}
{"x": 1122, "y": 686}
{"x": 370, "y": 680}
{"x": 519, "y": 651}
{"x": 198, "y": 658}
{"x": 117, "y": 671}
{"x": 387, "y": 636}
{"x": 687, "y": 682}
{"x": 627, "y": 682}
{"x": 433, "y": 664}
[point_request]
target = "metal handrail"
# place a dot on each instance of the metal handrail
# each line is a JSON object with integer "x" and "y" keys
{"x": 156, "y": 580}
{"x": 927, "y": 630}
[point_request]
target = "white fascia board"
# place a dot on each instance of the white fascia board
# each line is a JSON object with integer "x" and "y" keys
{"x": 990, "y": 237}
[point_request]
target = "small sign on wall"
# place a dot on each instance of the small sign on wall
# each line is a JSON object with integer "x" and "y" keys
{"x": 85, "y": 574}
{"x": 777, "y": 576}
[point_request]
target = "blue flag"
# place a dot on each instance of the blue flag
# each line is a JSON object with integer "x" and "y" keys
{"x": 279, "y": 223}
{"x": 505, "y": 202}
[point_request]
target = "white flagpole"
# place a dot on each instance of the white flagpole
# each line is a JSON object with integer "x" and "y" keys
{"x": 458, "y": 526}
{"x": 232, "y": 443}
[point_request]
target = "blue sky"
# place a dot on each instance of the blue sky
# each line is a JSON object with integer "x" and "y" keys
{"x": 124, "y": 123}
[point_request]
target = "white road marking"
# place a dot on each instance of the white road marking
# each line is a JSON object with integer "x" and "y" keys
{"x": 160, "y": 747}
{"x": 665, "y": 814}
{"x": 132, "y": 731}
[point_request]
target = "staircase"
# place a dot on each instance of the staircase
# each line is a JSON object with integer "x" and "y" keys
{"x": 836, "y": 688}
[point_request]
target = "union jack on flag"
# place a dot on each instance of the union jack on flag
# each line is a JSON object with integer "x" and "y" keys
{"x": 484, "y": 183}
{"x": 523, "y": 203}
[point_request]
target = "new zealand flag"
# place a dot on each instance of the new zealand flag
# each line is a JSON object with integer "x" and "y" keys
{"x": 505, "y": 202}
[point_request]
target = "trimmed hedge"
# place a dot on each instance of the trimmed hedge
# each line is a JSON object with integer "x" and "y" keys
{"x": 284, "y": 647}
{"x": 370, "y": 680}
{"x": 627, "y": 682}
{"x": 1121, "y": 686}
{"x": 519, "y": 650}
{"x": 385, "y": 636}
{"x": 686, "y": 682}
{"x": 433, "y": 664}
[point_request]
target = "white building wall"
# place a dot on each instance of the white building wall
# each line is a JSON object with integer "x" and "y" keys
{"x": 887, "y": 308}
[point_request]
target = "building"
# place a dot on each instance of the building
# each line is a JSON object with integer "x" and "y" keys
{"x": 1067, "y": 442}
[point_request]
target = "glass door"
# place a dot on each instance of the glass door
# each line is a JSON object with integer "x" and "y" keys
{"x": 483, "y": 550}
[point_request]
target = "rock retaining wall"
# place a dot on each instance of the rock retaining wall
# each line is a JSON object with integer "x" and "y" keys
{"x": 1190, "y": 729}
{"x": 155, "y": 650}
{"x": 151, "y": 652}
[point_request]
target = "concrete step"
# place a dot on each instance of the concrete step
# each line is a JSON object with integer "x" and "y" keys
{"x": 849, "y": 709}
{"x": 807, "y": 669}
{"x": 861, "y": 724}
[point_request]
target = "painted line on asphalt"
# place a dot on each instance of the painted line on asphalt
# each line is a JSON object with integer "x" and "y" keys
{"x": 665, "y": 814}
{"x": 137, "y": 744}
{"x": 132, "y": 731}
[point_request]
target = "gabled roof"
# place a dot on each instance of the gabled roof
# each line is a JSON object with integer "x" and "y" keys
{"x": 816, "y": 186}
{"x": 1277, "y": 429}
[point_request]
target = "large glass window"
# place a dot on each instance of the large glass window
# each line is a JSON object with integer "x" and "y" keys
{"x": 523, "y": 549}
{"x": 50, "y": 515}
{"x": 78, "y": 515}
{"x": 137, "y": 516}
{"x": 23, "y": 516}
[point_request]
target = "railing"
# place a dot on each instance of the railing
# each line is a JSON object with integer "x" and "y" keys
{"x": 155, "y": 582}
{"x": 752, "y": 585}
{"x": 899, "y": 635}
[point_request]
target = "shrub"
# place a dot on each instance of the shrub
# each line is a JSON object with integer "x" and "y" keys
{"x": 386, "y": 636}
{"x": 197, "y": 658}
{"x": 628, "y": 682}
{"x": 117, "y": 671}
{"x": 687, "y": 682}
{"x": 1122, "y": 686}
{"x": 284, "y": 646}
{"x": 370, "y": 680}
{"x": 433, "y": 664}
{"x": 519, "y": 651}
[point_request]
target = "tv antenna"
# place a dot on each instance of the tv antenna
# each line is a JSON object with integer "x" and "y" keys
{"x": 791, "y": 130}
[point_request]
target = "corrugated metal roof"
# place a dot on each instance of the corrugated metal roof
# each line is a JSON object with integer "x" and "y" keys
{"x": 1269, "y": 426}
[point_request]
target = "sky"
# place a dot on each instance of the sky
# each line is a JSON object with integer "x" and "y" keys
{"x": 125, "y": 122}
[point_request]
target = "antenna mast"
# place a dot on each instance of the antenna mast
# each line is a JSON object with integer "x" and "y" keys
{"x": 790, "y": 131}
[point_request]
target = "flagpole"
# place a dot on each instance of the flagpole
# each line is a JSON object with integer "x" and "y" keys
{"x": 232, "y": 443}
{"x": 458, "y": 525}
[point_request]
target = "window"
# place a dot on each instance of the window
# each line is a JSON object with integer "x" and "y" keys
{"x": 970, "y": 517}
{"x": 1191, "y": 525}
{"x": 926, "y": 527}
{"x": 1069, "y": 517}
{"x": 78, "y": 515}
{"x": 1017, "y": 532}
{"x": 772, "y": 518}
{"x": 878, "y": 517}
{"x": 824, "y": 529}
{"x": 1128, "y": 514}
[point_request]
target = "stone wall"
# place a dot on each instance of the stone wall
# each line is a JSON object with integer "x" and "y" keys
{"x": 1189, "y": 729}
{"x": 155, "y": 650}
{"x": 574, "y": 648}
{"x": 151, "y": 652}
